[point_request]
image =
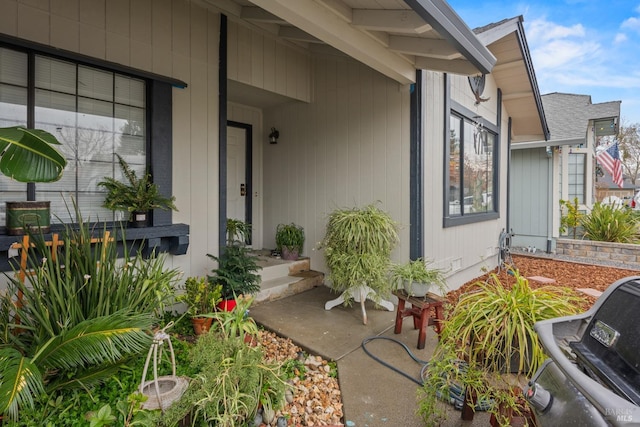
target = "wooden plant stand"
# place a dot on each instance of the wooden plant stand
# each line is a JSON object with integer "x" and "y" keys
{"x": 426, "y": 311}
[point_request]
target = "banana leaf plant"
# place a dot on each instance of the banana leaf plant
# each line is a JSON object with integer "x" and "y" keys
{"x": 29, "y": 155}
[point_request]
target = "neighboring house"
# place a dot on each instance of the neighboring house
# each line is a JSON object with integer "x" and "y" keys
{"x": 561, "y": 168}
{"x": 606, "y": 188}
{"x": 371, "y": 104}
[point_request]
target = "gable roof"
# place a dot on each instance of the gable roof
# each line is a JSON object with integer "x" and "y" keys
{"x": 394, "y": 37}
{"x": 569, "y": 114}
{"x": 516, "y": 78}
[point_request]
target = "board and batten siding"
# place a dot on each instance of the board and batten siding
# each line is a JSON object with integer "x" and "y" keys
{"x": 174, "y": 38}
{"x": 263, "y": 62}
{"x": 348, "y": 148}
{"x": 530, "y": 210}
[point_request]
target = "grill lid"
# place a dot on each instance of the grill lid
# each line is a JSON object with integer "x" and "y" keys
{"x": 609, "y": 348}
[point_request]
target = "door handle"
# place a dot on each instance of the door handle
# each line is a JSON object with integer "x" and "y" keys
{"x": 243, "y": 190}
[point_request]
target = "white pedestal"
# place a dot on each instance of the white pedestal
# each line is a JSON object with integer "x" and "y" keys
{"x": 360, "y": 294}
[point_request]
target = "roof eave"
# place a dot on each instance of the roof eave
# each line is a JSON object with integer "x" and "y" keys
{"x": 452, "y": 28}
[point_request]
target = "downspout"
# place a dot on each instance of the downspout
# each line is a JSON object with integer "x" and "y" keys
{"x": 508, "y": 227}
{"x": 551, "y": 193}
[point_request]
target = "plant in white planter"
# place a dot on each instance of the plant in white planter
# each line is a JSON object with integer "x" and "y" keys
{"x": 418, "y": 278}
{"x": 357, "y": 248}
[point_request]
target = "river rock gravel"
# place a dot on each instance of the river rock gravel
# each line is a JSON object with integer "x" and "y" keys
{"x": 315, "y": 400}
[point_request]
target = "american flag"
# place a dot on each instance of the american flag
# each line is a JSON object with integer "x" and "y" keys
{"x": 610, "y": 160}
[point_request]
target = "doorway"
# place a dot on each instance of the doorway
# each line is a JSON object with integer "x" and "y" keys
{"x": 239, "y": 171}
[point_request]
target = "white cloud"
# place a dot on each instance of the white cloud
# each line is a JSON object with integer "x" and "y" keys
{"x": 620, "y": 37}
{"x": 632, "y": 23}
{"x": 541, "y": 30}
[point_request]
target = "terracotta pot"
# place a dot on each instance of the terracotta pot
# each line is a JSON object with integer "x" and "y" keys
{"x": 227, "y": 304}
{"x": 201, "y": 325}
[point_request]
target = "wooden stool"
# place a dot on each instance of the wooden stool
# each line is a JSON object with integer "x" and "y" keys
{"x": 426, "y": 311}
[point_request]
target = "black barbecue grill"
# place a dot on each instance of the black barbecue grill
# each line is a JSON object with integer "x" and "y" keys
{"x": 592, "y": 377}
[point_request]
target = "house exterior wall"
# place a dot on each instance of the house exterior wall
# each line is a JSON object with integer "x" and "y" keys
{"x": 531, "y": 211}
{"x": 173, "y": 38}
{"x": 263, "y": 62}
{"x": 348, "y": 148}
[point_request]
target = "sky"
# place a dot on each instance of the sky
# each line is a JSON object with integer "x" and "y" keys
{"x": 586, "y": 47}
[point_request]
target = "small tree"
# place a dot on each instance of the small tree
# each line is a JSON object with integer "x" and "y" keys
{"x": 629, "y": 142}
{"x": 570, "y": 216}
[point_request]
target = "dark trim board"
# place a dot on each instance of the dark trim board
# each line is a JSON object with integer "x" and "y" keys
{"x": 416, "y": 168}
{"x": 222, "y": 137}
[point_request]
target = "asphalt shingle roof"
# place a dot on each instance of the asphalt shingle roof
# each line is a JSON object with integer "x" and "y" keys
{"x": 568, "y": 114}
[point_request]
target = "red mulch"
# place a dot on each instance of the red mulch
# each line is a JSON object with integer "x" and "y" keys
{"x": 569, "y": 274}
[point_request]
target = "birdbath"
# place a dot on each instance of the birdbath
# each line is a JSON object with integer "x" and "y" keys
{"x": 359, "y": 294}
{"x": 162, "y": 391}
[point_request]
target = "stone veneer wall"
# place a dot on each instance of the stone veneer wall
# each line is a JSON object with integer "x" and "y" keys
{"x": 616, "y": 252}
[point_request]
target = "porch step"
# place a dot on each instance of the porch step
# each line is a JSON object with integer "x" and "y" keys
{"x": 285, "y": 286}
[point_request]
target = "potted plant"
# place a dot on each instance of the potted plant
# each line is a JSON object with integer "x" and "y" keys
{"x": 417, "y": 278}
{"x": 289, "y": 240}
{"x": 237, "y": 322}
{"x": 491, "y": 329}
{"x": 201, "y": 298}
{"x": 237, "y": 266}
{"x": 357, "y": 247}
{"x": 28, "y": 155}
{"x": 137, "y": 196}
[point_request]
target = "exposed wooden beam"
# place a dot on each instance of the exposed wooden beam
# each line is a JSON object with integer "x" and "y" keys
{"x": 324, "y": 24}
{"x": 456, "y": 66}
{"x": 396, "y": 21}
{"x": 252, "y": 13}
{"x": 436, "y": 48}
{"x": 339, "y": 8}
{"x": 502, "y": 66}
{"x": 294, "y": 33}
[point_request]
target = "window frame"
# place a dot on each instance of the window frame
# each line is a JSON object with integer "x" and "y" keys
{"x": 454, "y": 108}
{"x": 163, "y": 235}
{"x": 158, "y": 139}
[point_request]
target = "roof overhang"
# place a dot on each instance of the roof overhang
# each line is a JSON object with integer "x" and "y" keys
{"x": 417, "y": 34}
{"x": 549, "y": 143}
{"x": 515, "y": 76}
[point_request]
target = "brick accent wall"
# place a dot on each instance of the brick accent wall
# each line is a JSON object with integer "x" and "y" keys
{"x": 587, "y": 249}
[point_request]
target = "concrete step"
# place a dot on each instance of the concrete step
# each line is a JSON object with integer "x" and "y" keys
{"x": 285, "y": 286}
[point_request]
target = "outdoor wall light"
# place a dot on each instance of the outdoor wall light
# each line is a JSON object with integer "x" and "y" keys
{"x": 273, "y": 136}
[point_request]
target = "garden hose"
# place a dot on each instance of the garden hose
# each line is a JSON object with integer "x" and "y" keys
{"x": 456, "y": 392}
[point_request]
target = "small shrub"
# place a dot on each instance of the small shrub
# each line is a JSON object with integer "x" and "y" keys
{"x": 606, "y": 223}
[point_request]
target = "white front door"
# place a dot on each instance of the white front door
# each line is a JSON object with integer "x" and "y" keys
{"x": 236, "y": 173}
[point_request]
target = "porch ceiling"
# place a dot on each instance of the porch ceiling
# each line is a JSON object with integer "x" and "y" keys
{"x": 394, "y": 37}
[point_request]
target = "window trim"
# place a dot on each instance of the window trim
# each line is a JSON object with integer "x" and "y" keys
{"x": 163, "y": 234}
{"x": 453, "y": 107}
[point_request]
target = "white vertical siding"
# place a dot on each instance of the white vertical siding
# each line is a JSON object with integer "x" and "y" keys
{"x": 174, "y": 38}
{"x": 348, "y": 148}
{"x": 261, "y": 61}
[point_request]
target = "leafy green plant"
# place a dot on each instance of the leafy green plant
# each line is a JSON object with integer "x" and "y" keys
{"x": 493, "y": 325}
{"x": 232, "y": 379}
{"x": 200, "y": 295}
{"x": 236, "y": 272}
{"x": 607, "y": 223}
{"x": 290, "y": 236}
{"x": 138, "y": 194}
{"x": 28, "y": 155}
{"x": 238, "y": 232}
{"x": 570, "y": 216}
{"x": 418, "y": 271}
{"x": 82, "y": 313}
{"x": 357, "y": 248}
{"x": 237, "y": 322}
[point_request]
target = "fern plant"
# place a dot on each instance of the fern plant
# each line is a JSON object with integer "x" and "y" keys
{"x": 138, "y": 194}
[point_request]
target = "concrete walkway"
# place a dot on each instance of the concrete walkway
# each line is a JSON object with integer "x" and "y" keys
{"x": 373, "y": 395}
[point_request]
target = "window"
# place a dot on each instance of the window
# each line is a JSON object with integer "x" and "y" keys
{"x": 471, "y": 154}
{"x": 94, "y": 113}
{"x": 576, "y": 176}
